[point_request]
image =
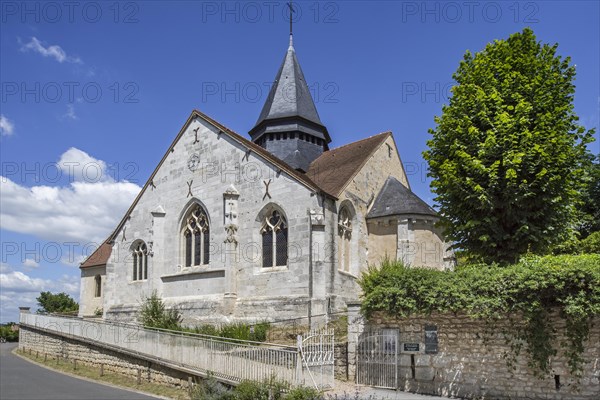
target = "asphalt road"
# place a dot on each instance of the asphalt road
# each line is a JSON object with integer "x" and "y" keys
{"x": 23, "y": 380}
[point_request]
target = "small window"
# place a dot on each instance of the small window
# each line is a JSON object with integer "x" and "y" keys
{"x": 274, "y": 233}
{"x": 97, "y": 286}
{"x": 140, "y": 261}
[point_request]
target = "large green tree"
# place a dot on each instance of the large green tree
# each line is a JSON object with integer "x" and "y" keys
{"x": 56, "y": 303}
{"x": 507, "y": 155}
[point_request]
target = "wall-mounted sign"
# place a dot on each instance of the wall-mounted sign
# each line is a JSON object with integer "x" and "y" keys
{"x": 431, "y": 339}
{"x": 410, "y": 347}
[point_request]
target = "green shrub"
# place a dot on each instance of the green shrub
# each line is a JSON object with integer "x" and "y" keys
{"x": 532, "y": 288}
{"x": 211, "y": 389}
{"x": 205, "y": 329}
{"x": 591, "y": 244}
{"x": 235, "y": 330}
{"x": 259, "y": 334}
{"x": 303, "y": 393}
{"x": 154, "y": 314}
{"x": 250, "y": 390}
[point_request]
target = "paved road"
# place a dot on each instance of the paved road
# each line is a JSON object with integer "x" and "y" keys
{"x": 22, "y": 380}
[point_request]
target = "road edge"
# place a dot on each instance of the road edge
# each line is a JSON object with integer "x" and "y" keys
{"x": 84, "y": 378}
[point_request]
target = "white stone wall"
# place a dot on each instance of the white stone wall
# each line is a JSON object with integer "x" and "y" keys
{"x": 88, "y": 302}
{"x": 199, "y": 291}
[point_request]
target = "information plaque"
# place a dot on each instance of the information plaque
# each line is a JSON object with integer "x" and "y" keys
{"x": 431, "y": 339}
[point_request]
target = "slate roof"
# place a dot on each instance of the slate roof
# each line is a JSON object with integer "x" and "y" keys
{"x": 396, "y": 199}
{"x": 98, "y": 257}
{"x": 289, "y": 96}
{"x": 335, "y": 168}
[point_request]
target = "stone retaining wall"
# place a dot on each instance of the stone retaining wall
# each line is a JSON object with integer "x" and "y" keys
{"x": 94, "y": 356}
{"x": 470, "y": 363}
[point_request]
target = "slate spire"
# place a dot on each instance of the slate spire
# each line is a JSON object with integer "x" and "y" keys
{"x": 289, "y": 125}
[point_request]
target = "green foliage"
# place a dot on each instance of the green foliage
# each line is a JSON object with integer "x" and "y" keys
{"x": 154, "y": 314}
{"x": 211, "y": 389}
{"x": 251, "y": 390}
{"x": 589, "y": 212}
{"x": 303, "y": 393}
{"x": 531, "y": 288}
{"x": 7, "y": 332}
{"x": 56, "y": 303}
{"x": 591, "y": 244}
{"x": 235, "y": 330}
{"x": 508, "y": 157}
{"x": 269, "y": 389}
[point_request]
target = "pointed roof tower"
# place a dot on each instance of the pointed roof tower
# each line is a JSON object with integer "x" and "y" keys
{"x": 289, "y": 126}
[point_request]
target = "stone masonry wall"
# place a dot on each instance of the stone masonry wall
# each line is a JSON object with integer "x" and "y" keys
{"x": 471, "y": 364}
{"x": 94, "y": 356}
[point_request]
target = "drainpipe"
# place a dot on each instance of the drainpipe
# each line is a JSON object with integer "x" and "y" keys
{"x": 310, "y": 269}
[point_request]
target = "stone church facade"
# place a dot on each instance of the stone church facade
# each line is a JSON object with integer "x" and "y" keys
{"x": 276, "y": 227}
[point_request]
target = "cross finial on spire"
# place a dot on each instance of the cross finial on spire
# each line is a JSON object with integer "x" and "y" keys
{"x": 291, "y": 6}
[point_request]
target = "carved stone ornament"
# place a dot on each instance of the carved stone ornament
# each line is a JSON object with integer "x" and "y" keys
{"x": 193, "y": 162}
{"x": 230, "y": 199}
{"x": 231, "y": 231}
{"x": 316, "y": 217}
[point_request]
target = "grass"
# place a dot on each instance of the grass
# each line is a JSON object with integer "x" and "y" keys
{"x": 113, "y": 378}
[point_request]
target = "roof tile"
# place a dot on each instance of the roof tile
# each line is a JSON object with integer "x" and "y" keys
{"x": 335, "y": 168}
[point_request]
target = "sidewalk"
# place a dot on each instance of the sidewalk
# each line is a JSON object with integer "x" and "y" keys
{"x": 356, "y": 392}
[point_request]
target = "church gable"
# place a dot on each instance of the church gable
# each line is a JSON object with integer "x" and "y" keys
{"x": 188, "y": 146}
{"x": 214, "y": 200}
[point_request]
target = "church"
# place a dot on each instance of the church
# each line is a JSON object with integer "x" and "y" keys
{"x": 277, "y": 226}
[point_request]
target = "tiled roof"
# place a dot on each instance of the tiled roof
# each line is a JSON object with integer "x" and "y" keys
{"x": 335, "y": 168}
{"x": 396, "y": 199}
{"x": 98, "y": 257}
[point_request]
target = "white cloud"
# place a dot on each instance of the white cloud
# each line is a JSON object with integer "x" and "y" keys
{"x": 82, "y": 167}
{"x": 30, "y": 263}
{"x": 85, "y": 211}
{"x": 19, "y": 289}
{"x": 70, "y": 114}
{"x": 7, "y": 128}
{"x": 4, "y": 267}
{"x": 75, "y": 260}
{"x": 54, "y": 51}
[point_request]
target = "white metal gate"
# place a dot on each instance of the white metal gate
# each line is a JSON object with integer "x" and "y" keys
{"x": 317, "y": 353}
{"x": 377, "y": 360}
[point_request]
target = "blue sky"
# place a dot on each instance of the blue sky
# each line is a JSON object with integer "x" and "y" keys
{"x": 93, "y": 94}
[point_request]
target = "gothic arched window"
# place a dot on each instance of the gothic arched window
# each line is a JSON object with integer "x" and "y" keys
{"x": 345, "y": 232}
{"x": 274, "y": 233}
{"x": 196, "y": 237}
{"x": 140, "y": 261}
